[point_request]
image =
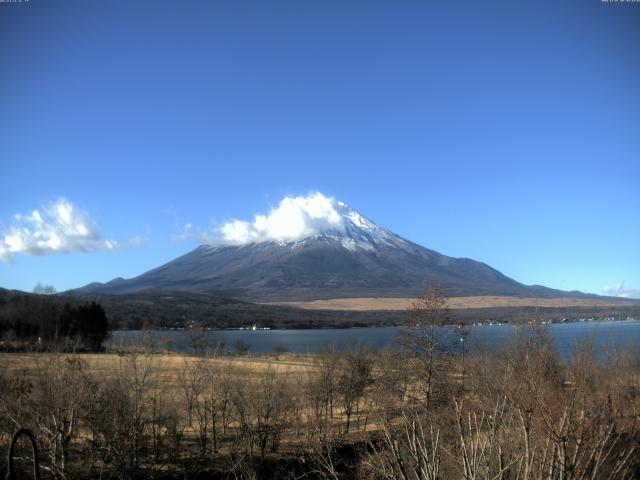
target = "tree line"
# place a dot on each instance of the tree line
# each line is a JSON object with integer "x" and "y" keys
{"x": 30, "y": 322}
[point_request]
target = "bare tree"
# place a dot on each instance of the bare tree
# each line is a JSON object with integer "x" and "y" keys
{"x": 354, "y": 376}
{"x": 241, "y": 347}
{"x": 212, "y": 399}
{"x": 189, "y": 382}
{"x": 321, "y": 384}
{"x": 119, "y": 415}
{"x": 408, "y": 449}
{"x": 197, "y": 339}
{"x": 60, "y": 397}
{"x": 280, "y": 348}
{"x": 323, "y": 441}
{"x": 422, "y": 339}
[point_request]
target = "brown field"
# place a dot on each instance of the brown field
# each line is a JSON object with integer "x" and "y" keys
{"x": 456, "y": 303}
{"x": 166, "y": 366}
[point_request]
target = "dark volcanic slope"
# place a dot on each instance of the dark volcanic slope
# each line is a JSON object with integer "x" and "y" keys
{"x": 359, "y": 259}
{"x": 316, "y": 269}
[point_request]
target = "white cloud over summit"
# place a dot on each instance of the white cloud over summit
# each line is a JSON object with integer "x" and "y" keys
{"x": 58, "y": 227}
{"x": 294, "y": 218}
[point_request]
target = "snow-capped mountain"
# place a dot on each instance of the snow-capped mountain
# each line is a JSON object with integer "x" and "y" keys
{"x": 336, "y": 254}
{"x": 354, "y": 232}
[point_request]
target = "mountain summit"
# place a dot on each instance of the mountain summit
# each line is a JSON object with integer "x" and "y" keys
{"x": 351, "y": 230}
{"x": 317, "y": 248}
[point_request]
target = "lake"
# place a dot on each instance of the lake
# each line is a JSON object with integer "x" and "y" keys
{"x": 605, "y": 335}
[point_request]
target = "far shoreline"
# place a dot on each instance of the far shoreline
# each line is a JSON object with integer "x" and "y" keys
{"x": 378, "y": 326}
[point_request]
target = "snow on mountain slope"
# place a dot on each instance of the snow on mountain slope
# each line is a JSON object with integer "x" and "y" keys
{"x": 337, "y": 221}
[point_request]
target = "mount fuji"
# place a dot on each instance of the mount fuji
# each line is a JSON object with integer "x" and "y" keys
{"x": 318, "y": 248}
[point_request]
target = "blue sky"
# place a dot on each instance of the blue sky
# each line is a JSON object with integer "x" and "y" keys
{"x": 507, "y": 132}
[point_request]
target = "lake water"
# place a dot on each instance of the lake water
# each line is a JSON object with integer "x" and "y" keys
{"x": 603, "y": 335}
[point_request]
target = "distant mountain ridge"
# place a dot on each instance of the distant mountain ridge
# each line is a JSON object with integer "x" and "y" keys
{"x": 353, "y": 257}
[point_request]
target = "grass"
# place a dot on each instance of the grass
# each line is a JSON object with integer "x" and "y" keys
{"x": 165, "y": 365}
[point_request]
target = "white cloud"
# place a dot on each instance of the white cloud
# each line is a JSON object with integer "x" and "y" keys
{"x": 59, "y": 227}
{"x": 621, "y": 291}
{"x": 137, "y": 241}
{"x": 193, "y": 233}
{"x": 141, "y": 240}
{"x": 292, "y": 219}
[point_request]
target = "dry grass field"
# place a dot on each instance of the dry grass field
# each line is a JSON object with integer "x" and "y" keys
{"x": 166, "y": 366}
{"x": 455, "y": 303}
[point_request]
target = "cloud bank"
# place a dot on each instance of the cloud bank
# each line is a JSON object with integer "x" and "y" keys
{"x": 59, "y": 227}
{"x": 294, "y": 218}
{"x": 621, "y": 291}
